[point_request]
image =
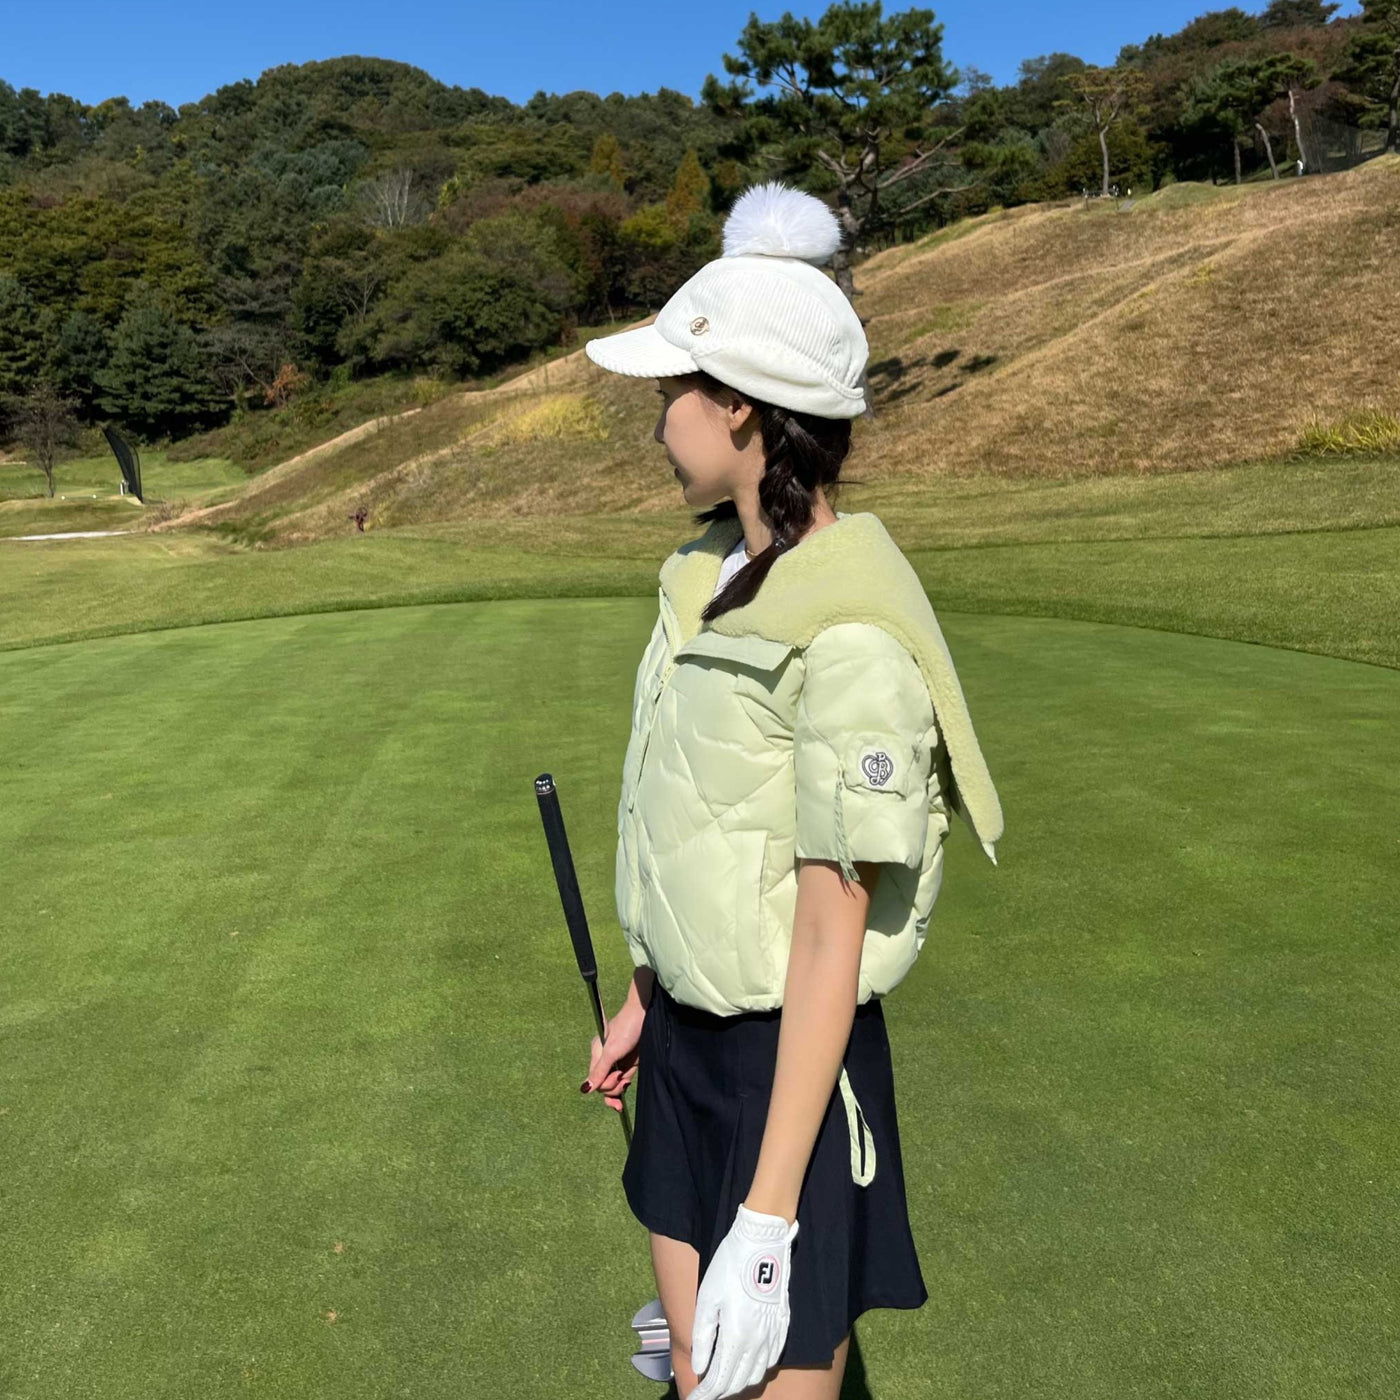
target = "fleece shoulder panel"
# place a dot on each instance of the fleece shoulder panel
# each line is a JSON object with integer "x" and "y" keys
{"x": 847, "y": 572}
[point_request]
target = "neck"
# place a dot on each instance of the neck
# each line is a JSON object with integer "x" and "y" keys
{"x": 758, "y": 530}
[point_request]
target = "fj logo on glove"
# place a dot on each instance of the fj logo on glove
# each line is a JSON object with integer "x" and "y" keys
{"x": 741, "y": 1309}
{"x": 765, "y": 1273}
{"x": 699, "y": 325}
{"x": 878, "y": 767}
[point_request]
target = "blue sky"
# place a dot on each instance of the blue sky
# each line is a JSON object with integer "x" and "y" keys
{"x": 177, "y": 53}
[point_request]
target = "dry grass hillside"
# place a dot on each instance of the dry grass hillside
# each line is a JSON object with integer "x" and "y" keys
{"x": 1199, "y": 327}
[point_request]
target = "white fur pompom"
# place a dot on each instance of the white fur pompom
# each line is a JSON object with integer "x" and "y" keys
{"x": 780, "y": 221}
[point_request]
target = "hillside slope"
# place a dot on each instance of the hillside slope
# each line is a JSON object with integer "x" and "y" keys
{"x": 1196, "y": 327}
{"x": 1200, "y": 327}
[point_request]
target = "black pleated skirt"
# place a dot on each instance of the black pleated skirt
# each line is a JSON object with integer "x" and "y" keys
{"x": 702, "y": 1086}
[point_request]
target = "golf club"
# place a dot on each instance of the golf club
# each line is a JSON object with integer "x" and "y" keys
{"x": 649, "y": 1323}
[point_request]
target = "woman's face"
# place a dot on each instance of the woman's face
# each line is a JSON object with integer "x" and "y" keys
{"x": 715, "y": 448}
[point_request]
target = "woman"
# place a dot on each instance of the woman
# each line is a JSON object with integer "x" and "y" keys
{"x": 798, "y": 738}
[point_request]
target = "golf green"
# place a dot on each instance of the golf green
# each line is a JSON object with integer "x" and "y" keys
{"x": 291, "y": 1033}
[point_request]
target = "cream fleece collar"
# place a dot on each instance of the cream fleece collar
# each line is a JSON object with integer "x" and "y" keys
{"x": 849, "y": 571}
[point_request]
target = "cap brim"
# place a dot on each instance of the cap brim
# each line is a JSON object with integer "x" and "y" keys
{"x": 643, "y": 352}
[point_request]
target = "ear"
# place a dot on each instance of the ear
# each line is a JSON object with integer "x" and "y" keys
{"x": 739, "y": 412}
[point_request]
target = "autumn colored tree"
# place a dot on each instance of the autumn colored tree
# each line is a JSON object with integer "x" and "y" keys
{"x": 690, "y": 195}
{"x": 606, "y": 159}
{"x": 286, "y": 384}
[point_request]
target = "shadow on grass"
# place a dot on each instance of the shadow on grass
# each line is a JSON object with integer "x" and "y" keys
{"x": 896, "y": 378}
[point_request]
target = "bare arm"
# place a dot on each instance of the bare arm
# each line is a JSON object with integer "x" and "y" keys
{"x": 640, "y": 988}
{"x": 819, "y": 1004}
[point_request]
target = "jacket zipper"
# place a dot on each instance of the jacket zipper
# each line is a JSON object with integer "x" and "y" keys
{"x": 634, "y": 910}
{"x": 672, "y": 626}
{"x": 646, "y": 741}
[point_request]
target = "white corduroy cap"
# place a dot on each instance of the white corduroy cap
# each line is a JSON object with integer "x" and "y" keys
{"x": 761, "y": 318}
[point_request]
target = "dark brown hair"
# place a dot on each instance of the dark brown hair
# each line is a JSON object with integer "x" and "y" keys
{"x": 801, "y": 452}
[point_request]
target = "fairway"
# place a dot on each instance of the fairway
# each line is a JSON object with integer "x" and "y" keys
{"x": 291, "y": 1035}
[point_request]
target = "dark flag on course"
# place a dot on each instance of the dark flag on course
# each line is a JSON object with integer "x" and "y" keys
{"x": 129, "y": 459}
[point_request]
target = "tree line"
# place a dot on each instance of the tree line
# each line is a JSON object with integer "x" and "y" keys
{"x": 172, "y": 268}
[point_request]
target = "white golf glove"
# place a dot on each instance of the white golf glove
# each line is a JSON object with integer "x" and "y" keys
{"x": 744, "y": 1295}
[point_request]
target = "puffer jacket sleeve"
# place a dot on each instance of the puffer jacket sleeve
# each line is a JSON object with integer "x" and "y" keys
{"x": 863, "y": 749}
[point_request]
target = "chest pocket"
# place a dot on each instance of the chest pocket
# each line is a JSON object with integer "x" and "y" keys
{"x": 728, "y": 726}
{"x": 745, "y": 674}
{"x": 753, "y": 653}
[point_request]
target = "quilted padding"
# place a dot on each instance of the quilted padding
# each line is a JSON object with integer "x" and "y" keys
{"x": 751, "y": 747}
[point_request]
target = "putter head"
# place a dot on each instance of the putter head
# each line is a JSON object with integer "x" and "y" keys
{"x": 654, "y": 1335}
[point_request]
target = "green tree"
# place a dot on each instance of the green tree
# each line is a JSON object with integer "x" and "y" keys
{"x": 1212, "y": 30}
{"x": 1003, "y": 158}
{"x": 493, "y": 296}
{"x": 1217, "y": 102}
{"x": 1081, "y": 165}
{"x": 21, "y": 349}
{"x": 855, "y": 96}
{"x": 22, "y": 127}
{"x": 345, "y": 272}
{"x": 1233, "y": 95}
{"x": 156, "y": 382}
{"x": 46, "y": 425}
{"x": 518, "y": 151}
{"x": 1034, "y": 102}
{"x": 1297, "y": 14}
{"x": 1372, "y": 68}
{"x": 79, "y": 355}
{"x": 655, "y": 255}
{"x": 1108, "y": 96}
{"x": 460, "y": 316}
{"x": 1268, "y": 79}
{"x": 85, "y": 253}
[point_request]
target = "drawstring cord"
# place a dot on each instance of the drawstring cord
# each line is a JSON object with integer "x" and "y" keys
{"x": 862, "y": 1144}
{"x": 843, "y": 845}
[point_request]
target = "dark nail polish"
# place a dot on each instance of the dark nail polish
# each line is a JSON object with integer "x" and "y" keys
{"x": 584, "y": 1087}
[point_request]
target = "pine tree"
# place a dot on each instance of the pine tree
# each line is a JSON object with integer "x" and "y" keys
{"x": 1373, "y": 68}
{"x": 1108, "y": 96}
{"x": 78, "y": 356}
{"x": 1297, "y": 14}
{"x": 21, "y": 350}
{"x": 156, "y": 381}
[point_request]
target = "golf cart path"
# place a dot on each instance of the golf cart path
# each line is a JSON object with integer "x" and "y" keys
{"x": 72, "y": 535}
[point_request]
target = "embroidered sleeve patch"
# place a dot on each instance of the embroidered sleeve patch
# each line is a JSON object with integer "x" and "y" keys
{"x": 878, "y": 763}
{"x": 877, "y": 766}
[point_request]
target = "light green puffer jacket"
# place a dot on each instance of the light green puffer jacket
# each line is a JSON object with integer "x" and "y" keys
{"x": 824, "y": 720}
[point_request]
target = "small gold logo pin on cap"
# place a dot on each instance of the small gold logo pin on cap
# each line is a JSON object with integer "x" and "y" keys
{"x": 699, "y": 325}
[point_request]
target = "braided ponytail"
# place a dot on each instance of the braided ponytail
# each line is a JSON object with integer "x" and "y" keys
{"x": 801, "y": 453}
